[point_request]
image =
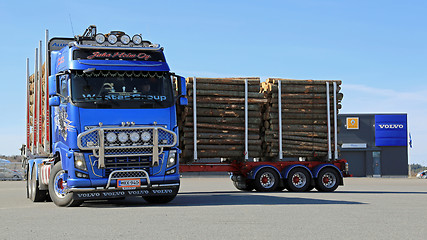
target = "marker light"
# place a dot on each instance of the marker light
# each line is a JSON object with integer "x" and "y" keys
{"x": 137, "y": 39}
{"x": 125, "y": 39}
{"x": 100, "y": 38}
{"x": 134, "y": 137}
{"x": 123, "y": 137}
{"x": 112, "y": 39}
{"x": 111, "y": 137}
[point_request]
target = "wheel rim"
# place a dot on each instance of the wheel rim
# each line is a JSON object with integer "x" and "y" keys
{"x": 267, "y": 180}
{"x": 60, "y": 184}
{"x": 329, "y": 180}
{"x": 299, "y": 180}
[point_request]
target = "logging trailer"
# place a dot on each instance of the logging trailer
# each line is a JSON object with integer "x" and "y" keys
{"x": 104, "y": 120}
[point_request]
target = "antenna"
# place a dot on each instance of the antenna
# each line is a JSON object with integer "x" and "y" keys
{"x": 71, "y": 22}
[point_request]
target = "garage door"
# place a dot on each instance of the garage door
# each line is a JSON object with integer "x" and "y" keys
{"x": 356, "y": 163}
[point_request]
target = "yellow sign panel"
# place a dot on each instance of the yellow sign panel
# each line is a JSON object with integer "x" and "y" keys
{"x": 352, "y": 123}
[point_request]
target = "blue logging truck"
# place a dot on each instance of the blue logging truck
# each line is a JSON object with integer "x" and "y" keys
{"x": 101, "y": 120}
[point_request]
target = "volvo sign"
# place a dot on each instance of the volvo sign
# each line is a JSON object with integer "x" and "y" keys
{"x": 391, "y": 130}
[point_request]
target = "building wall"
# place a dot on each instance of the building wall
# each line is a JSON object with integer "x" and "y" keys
{"x": 364, "y": 157}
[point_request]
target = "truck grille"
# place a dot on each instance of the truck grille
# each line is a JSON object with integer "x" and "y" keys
{"x": 127, "y": 162}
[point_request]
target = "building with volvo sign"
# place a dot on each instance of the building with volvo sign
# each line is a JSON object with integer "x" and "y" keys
{"x": 375, "y": 145}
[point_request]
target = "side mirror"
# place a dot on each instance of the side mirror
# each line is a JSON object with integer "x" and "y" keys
{"x": 182, "y": 91}
{"x": 182, "y": 88}
{"x": 54, "y": 101}
{"x": 52, "y": 86}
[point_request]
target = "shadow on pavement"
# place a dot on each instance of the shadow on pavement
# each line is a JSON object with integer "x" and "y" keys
{"x": 381, "y": 192}
{"x": 189, "y": 199}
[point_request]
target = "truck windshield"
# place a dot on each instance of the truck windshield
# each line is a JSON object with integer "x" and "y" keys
{"x": 121, "y": 89}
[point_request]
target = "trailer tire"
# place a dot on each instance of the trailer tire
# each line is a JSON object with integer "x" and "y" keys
{"x": 159, "y": 199}
{"x": 266, "y": 180}
{"x": 37, "y": 195}
{"x": 57, "y": 190}
{"x": 327, "y": 180}
{"x": 298, "y": 180}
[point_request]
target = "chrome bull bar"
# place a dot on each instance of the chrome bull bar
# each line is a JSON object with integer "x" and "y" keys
{"x": 150, "y": 142}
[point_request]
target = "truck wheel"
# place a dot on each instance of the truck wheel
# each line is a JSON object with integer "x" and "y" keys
{"x": 58, "y": 190}
{"x": 266, "y": 180}
{"x": 243, "y": 186}
{"x": 327, "y": 180}
{"x": 159, "y": 199}
{"x": 37, "y": 195}
{"x": 298, "y": 180}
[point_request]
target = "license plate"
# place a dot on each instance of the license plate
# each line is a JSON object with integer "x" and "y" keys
{"x": 128, "y": 182}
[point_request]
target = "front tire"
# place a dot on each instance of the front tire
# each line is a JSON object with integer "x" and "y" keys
{"x": 58, "y": 189}
{"x": 266, "y": 180}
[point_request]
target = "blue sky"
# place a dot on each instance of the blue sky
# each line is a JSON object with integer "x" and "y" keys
{"x": 378, "y": 48}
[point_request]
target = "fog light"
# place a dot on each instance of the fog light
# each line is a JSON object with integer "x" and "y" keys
{"x": 172, "y": 171}
{"x": 134, "y": 137}
{"x": 123, "y": 137}
{"x": 81, "y": 175}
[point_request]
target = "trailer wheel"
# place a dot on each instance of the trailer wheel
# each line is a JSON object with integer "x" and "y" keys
{"x": 266, "y": 180}
{"x": 298, "y": 180}
{"x": 58, "y": 188}
{"x": 327, "y": 180}
{"x": 248, "y": 186}
{"x": 159, "y": 199}
{"x": 37, "y": 195}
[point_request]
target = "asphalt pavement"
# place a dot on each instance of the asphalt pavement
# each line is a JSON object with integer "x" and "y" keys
{"x": 211, "y": 208}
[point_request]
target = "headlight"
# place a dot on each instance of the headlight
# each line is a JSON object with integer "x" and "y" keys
{"x": 125, "y": 39}
{"x": 137, "y": 39}
{"x": 145, "y": 136}
{"x": 111, "y": 137}
{"x": 134, "y": 137}
{"x": 79, "y": 161}
{"x": 112, "y": 39}
{"x": 100, "y": 38}
{"x": 171, "y": 158}
{"x": 123, "y": 137}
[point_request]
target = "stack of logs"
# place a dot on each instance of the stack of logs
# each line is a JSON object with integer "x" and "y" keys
{"x": 304, "y": 117}
{"x": 220, "y": 107}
